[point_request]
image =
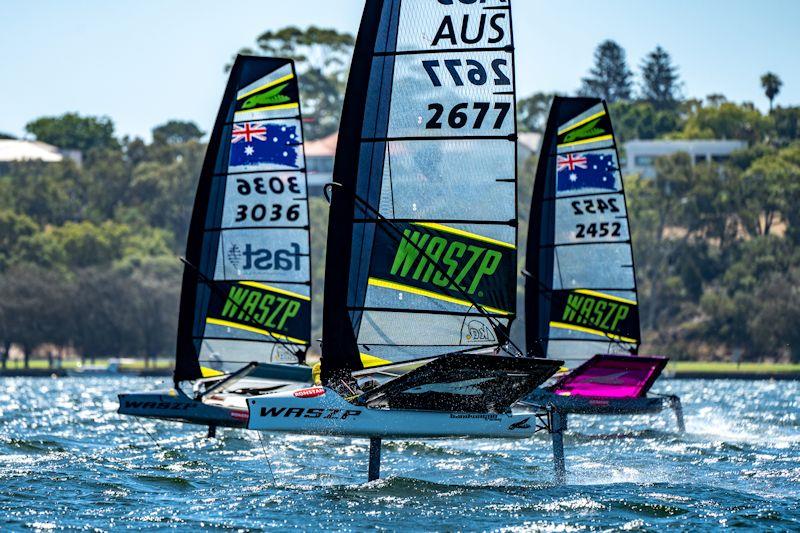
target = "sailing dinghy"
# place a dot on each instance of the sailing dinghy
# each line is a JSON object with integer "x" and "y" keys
{"x": 245, "y": 312}
{"x": 421, "y": 256}
{"x": 581, "y": 302}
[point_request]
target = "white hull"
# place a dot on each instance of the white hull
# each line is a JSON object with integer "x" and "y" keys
{"x": 321, "y": 411}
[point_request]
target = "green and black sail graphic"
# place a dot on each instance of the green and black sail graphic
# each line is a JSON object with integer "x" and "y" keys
{"x": 246, "y": 292}
{"x": 422, "y": 231}
{"x": 594, "y": 128}
{"x": 262, "y": 309}
{"x": 580, "y": 291}
{"x": 438, "y": 262}
{"x": 280, "y": 95}
{"x": 596, "y": 313}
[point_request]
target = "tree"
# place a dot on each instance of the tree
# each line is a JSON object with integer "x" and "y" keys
{"x": 532, "y": 111}
{"x": 105, "y": 323}
{"x": 787, "y": 124}
{"x": 641, "y": 120}
{"x": 321, "y": 56}
{"x": 73, "y": 132}
{"x": 766, "y": 189}
{"x": 775, "y": 314}
{"x": 660, "y": 82}
{"x": 610, "y": 77}
{"x": 162, "y": 193}
{"x": 727, "y": 121}
{"x": 153, "y": 305}
{"x": 176, "y": 132}
{"x": 771, "y": 84}
{"x": 49, "y": 193}
{"x": 716, "y": 99}
{"x": 32, "y": 304}
{"x": 13, "y": 227}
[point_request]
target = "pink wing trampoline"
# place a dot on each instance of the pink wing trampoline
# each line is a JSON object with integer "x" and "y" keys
{"x": 612, "y": 376}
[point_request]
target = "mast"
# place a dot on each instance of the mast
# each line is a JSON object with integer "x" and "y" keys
{"x": 339, "y": 348}
{"x": 580, "y": 289}
{"x": 422, "y": 231}
{"x": 246, "y": 292}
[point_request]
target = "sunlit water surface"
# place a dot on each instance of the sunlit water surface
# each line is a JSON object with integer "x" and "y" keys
{"x": 67, "y": 460}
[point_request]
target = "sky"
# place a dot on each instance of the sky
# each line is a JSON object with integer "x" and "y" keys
{"x": 144, "y": 62}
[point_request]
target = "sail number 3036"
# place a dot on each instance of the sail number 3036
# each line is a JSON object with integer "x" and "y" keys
{"x": 261, "y": 186}
{"x": 274, "y": 185}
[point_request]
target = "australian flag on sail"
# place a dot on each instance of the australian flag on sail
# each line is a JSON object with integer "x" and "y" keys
{"x": 578, "y": 171}
{"x": 262, "y": 145}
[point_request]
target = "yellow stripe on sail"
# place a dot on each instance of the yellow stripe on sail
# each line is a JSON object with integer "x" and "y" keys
{"x": 605, "y": 296}
{"x": 266, "y": 86}
{"x": 270, "y": 288}
{"x": 582, "y": 122}
{"x": 270, "y": 107}
{"x": 454, "y": 231}
{"x": 370, "y": 360}
{"x": 562, "y": 325}
{"x": 375, "y": 282}
{"x": 251, "y": 329}
{"x": 210, "y": 372}
{"x": 586, "y": 141}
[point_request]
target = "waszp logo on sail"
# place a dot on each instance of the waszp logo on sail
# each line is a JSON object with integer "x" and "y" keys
{"x": 461, "y": 264}
{"x": 604, "y": 315}
{"x": 246, "y": 305}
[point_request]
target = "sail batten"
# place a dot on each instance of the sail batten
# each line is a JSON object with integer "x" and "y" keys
{"x": 423, "y": 219}
{"x": 247, "y": 286}
{"x": 581, "y": 296}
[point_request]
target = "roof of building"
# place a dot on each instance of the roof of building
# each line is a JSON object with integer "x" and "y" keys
{"x": 20, "y": 150}
{"x": 322, "y": 147}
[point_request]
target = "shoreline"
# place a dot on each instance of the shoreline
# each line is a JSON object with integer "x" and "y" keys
{"x": 71, "y": 373}
{"x": 753, "y": 376}
{"x": 165, "y": 372}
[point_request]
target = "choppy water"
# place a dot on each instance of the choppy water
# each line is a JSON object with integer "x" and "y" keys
{"x": 67, "y": 460}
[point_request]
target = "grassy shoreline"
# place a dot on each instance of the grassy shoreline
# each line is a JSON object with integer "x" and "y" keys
{"x": 717, "y": 367}
{"x": 71, "y": 364}
{"x": 674, "y": 368}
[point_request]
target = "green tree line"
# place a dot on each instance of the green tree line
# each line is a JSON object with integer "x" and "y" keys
{"x": 89, "y": 253}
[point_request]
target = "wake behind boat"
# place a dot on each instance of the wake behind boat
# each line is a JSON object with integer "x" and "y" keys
{"x": 420, "y": 276}
{"x": 245, "y": 315}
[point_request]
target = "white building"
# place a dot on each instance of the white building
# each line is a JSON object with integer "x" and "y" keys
{"x": 17, "y": 150}
{"x": 640, "y": 155}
